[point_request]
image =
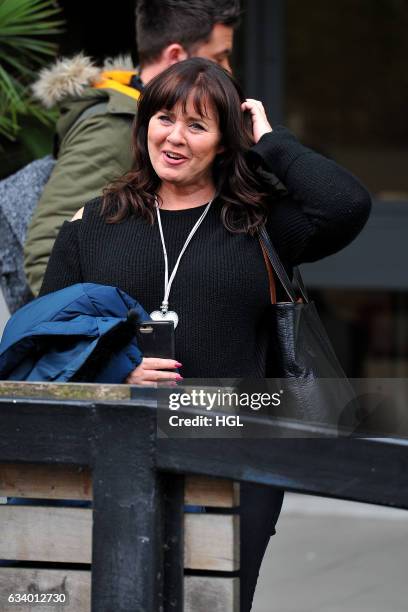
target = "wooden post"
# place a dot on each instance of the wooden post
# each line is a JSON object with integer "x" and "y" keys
{"x": 127, "y": 574}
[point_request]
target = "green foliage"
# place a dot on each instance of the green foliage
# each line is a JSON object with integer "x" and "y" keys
{"x": 25, "y": 26}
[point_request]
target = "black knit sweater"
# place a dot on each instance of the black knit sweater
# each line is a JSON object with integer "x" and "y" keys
{"x": 221, "y": 288}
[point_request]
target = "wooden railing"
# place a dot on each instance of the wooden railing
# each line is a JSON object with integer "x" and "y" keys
{"x": 137, "y": 548}
{"x": 49, "y": 535}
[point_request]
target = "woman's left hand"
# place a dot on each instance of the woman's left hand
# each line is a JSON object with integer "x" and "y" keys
{"x": 260, "y": 123}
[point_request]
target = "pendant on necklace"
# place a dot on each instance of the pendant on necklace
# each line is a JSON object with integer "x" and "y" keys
{"x": 169, "y": 315}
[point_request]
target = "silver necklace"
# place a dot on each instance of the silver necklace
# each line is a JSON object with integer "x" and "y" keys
{"x": 164, "y": 314}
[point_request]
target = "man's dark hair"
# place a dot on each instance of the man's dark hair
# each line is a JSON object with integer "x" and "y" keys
{"x": 160, "y": 23}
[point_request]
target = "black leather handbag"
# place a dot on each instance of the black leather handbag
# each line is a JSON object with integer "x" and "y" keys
{"x": 316, "y": 389}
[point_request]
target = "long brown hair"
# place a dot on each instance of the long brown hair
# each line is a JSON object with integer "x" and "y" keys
{"x": 241, "y": 190}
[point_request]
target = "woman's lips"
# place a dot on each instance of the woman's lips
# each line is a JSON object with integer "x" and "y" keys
{"x": 171, "y": 161}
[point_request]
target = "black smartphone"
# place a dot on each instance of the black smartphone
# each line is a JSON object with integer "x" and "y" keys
{"x": 156, "y": 339}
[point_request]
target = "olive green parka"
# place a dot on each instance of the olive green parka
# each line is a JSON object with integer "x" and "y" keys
{"x": 91, "y": 151}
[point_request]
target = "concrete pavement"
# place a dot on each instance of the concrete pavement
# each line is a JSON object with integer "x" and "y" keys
{"x": 335, "y": 556}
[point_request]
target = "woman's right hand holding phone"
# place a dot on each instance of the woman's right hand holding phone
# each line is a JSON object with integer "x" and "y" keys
{"x": 154, "y": 370}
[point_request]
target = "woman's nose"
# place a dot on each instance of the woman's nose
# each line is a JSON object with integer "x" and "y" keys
{"x": 176, "y": 135}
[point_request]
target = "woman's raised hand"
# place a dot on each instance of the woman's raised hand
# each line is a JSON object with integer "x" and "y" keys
{"x": 260, "y": 123}
{"x": 151, "y": 371}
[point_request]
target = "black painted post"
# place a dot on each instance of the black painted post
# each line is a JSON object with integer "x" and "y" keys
{"x": 173, "y": 492}
{"x": 127, "y": 556}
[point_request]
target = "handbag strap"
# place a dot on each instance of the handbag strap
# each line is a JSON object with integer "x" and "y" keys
{"x": 272, "y": 284}
{"x": 274, "y": 265}
{"x": 297, "y": 277}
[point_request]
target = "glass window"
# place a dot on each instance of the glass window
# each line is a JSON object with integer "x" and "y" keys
{"x": 368, "y": 330}
{"x": 347, "y": 86}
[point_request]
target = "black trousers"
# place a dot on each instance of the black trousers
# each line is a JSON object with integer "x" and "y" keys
{"x": 259, "y": 512}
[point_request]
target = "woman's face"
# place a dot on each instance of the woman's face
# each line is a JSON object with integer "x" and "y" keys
{"x": 182, "y": 146}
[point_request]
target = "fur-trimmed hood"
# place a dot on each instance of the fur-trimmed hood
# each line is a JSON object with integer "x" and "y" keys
{"x": 70, "y": 76}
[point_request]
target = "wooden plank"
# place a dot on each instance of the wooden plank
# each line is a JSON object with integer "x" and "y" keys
{"x": 208, "y": 491}
{"x": 33, "y": 533}
{"x": 211, "y": 542}
{"x": 45, "y": 481}
{"x": 69, "y": 391}
{"x": 202, "y": 594}
{"x": 76, "y": 585}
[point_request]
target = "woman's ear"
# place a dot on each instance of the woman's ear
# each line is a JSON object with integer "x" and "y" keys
{"x": 221, "y": 149}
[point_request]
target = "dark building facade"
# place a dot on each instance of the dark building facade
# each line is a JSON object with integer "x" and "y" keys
{"x": 335, "y": 73}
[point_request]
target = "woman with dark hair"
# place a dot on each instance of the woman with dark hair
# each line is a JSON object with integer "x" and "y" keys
{"x": 179, "y": 234}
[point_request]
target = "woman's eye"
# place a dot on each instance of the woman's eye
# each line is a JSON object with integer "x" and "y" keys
{"x": 197, "y": 126}
{"x": 164, "y": 118}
